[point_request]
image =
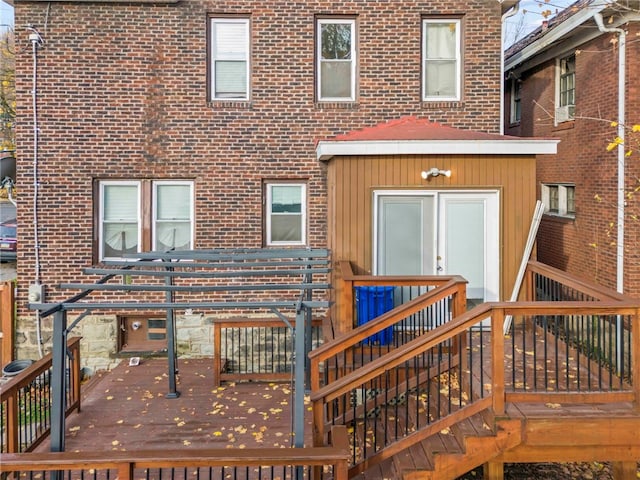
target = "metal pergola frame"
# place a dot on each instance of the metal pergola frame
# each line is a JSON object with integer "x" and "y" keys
{"x": 159, "y": 272}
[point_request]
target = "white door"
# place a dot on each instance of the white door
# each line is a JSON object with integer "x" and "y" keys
{"x": 448, "y": 233}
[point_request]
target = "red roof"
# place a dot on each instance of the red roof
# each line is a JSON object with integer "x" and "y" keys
{"x": 414, "y": 128}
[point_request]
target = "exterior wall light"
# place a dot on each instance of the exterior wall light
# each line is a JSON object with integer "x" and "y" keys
{"x": 435, "y": 172}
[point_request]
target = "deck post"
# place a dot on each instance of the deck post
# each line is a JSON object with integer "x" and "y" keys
{"x": 635, "y": 357}
{"x": 58, "y": 380}
{"x": 624, "y": 470}
{"x": 493, "y": 471}
{"x": 299, "y": 385}
{"x": 171, "y": 339}
{"x": 300, "y": 361}
{"x": 497, "y": 360}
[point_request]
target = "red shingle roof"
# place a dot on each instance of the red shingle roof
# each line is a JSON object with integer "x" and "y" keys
{"x": 414, "y": 128}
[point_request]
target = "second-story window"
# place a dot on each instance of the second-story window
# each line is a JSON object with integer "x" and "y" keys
{"x": 566, "y": 89}
{"x": 336, "y": 60}
{"x": 230, "y": 58}
{"x": 441, "y": 59}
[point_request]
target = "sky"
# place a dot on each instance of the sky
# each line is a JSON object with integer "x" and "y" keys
{"x": 6, "y": 14}
{"x": 530, "y": 16}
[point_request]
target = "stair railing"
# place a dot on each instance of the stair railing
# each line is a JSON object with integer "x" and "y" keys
{"x": 442, "y": 299}
{"x": 466, "y": 366}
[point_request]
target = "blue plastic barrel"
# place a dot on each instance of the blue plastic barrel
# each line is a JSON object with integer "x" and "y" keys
{"x": 371, "y": 302}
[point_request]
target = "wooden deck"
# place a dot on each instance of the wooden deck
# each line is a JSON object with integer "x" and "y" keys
{"x": 126, "y": 409}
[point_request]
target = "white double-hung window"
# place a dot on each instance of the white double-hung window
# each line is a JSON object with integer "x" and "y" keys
{"x": 441, "y": 60}
{"x": 143, "y": 215}
{"x": 172, "y": 215}
{"x": 120, "y": 229}
{"x": 336, "y": 59}
{"x": 230, "y": 58}
{"x": 286, "y": 213}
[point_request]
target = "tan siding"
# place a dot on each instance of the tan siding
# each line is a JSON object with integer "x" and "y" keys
{"x": 357, "y": 177}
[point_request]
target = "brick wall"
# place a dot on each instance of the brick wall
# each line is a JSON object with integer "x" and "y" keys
{"x": 122, "y": 92}
{"x": 586, "y": 246}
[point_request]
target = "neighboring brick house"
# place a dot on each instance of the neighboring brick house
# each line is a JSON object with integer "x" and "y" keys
{"x": 562, "y": 81}
{"x": 194, "y": 124}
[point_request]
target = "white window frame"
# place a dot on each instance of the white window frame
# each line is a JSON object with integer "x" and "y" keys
{"x": 146, "y": 220}
{"x": 516, "y": 101}
{"x": 101, "y": 220}
{"x": 562, "y": 116}
{"x": 269, "y": 213}
{"x": 458, "y": 59}
{"x": 562, "y": 188}
{"x": 213, "y": 59}
{"x": 154, "y": 198}
{"x": 319, "y": 60}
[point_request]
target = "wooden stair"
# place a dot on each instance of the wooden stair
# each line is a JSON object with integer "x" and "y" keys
{"x": 465, "y": 446}
{"x": 451, "y": 452}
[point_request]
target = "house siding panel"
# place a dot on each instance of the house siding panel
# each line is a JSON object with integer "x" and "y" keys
{"x": 356, "y": 178}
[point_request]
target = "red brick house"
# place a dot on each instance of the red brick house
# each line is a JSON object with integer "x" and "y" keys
{"x": 197, "y": 125}
{"x": 571, "y": 79}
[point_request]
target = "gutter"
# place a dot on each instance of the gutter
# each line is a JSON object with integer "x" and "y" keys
{"x": 622, "y": 36}
{"x": 510, "y": 13}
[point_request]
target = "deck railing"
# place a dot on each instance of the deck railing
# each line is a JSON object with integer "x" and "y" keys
{"x": 25, "y": 401}
{"x": 255, "y": 349}
{"x": 464, "y": 367}
{"x": 421, "y": 304}
{"x": 234, "y": 464}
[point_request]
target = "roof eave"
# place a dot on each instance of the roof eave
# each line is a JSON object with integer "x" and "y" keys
{"x": 327, "y": 149}
{"x": 554, "y": 35}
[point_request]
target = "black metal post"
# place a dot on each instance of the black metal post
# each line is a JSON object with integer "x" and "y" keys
{"x": 171, "y": 341}
{"x": 58, "y": 381}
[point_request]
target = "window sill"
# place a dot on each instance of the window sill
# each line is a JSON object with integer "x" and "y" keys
{"x": 568, "y": 125}
{"x": 349, "y": 105}
{"x": 442, "y": 105}
{"x": 228, "y": 104}
{"x": 556, "y": 217}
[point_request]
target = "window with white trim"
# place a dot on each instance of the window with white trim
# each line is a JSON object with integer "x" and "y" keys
{"x": 286, "y": 214}
{"x": 566, "y": 89}
{"x": 336, "y": 59}
{"x": 559, "y": 199}
{"x": 516, "y": 89}
{"x": 125, "y": 227}
{"x": 441, "y": 59}
{"x": 230, "y": 58}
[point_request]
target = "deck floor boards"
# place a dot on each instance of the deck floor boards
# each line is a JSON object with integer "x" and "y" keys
{"x": 126, "y": 409}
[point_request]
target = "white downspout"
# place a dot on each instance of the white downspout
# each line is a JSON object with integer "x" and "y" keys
{"x": 510, "y": 13}
{"x": 622, "y": 36}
